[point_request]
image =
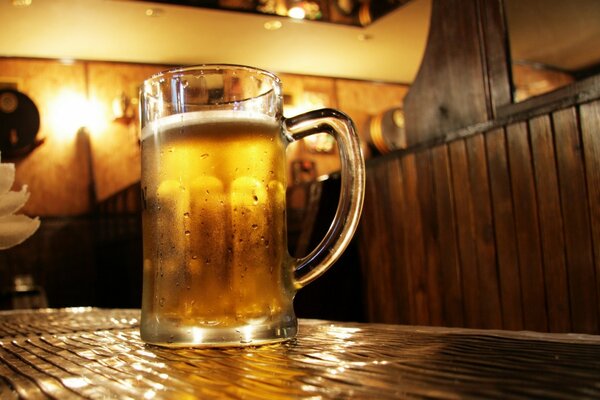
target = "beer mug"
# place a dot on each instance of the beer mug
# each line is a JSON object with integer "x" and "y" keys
{"x": 216, "y": 267}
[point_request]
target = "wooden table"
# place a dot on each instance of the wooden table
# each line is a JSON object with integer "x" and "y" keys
{"x": 97, "y": 354}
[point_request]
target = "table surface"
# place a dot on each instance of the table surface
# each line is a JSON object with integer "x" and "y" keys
{"x": 97, "y": 354}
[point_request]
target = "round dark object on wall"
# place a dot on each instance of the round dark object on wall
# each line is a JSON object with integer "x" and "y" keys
{"x": 19, "y": 123}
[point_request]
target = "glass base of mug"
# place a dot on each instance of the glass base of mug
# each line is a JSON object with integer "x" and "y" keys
{"x": 173, "y": 333}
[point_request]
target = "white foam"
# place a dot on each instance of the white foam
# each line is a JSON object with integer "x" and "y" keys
{"x": 177, "y": 121}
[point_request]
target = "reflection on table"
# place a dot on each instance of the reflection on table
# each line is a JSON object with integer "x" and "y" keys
{"x": 95, "y": 353}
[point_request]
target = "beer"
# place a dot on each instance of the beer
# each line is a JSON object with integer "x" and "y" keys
{"x": 215, "y": 246}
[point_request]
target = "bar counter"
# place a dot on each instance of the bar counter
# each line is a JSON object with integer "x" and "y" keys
{"x": 97, "y": 354}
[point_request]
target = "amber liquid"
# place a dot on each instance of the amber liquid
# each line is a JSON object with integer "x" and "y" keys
{"x": 216, "y": 267}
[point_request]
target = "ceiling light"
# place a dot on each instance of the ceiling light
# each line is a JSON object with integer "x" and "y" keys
{"x": 296, "y": 13}
{"x": 21, "y": 3}
{"x": 154, "y": 12}
{"x": 273, "y": 25}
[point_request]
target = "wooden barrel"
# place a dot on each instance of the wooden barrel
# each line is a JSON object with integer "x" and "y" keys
{"x": 386, "y": 131}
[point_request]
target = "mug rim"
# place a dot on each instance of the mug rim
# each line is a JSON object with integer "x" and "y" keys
{"x": 213, "y": 66}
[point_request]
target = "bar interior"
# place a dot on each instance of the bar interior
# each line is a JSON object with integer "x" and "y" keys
{"x": 479, "y": 122}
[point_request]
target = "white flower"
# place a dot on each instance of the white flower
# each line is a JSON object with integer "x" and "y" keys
{"x": 14, "y": 229}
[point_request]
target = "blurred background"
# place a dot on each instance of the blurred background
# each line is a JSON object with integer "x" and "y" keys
{"x": 81, "y": 64}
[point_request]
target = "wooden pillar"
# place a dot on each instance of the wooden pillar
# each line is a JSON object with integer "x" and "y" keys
{"x": 465, "y": 73}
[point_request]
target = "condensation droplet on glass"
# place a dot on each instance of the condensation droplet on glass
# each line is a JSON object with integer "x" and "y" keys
{"x": 186, "y": 214}
{"x": 203, "y": 156}
{"x": 187, "y": 233}
{"x": 254, "y": 226}
{"x": 161, "y": 302}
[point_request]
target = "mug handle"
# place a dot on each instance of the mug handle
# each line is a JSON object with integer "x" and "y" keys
{"x": 345, "y": 221}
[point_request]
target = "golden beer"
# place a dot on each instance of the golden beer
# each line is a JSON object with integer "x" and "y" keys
{"x": 214, "y": 228}
{"x": 216, "y": 267}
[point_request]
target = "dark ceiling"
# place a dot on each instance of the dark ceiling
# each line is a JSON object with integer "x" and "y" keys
{"x": 344, "y": 12}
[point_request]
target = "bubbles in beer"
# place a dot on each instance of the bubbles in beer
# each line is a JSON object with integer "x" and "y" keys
{"x": 223, "y": 238}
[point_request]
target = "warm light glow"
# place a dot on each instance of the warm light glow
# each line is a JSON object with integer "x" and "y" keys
{"x": 198, "y": 335}
{"x": 154, "y": 12}
{"x": 273, "y": 25}
{"x": 248, "y": 334}
{"x": 70, "y": 111}
{"x": 296, "y": 13}
{"x": 74, "y": 382}
{"x": 21, "y": 3}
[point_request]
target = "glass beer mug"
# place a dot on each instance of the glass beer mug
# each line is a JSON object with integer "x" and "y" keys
{"x": 216, "y": 267}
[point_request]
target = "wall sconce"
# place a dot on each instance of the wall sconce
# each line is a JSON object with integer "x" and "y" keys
{"x": 70, "y": 111}
{"x": 124, "y": 109}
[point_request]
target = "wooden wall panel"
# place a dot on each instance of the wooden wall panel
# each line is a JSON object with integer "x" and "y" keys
{"x": 509, "y": 277}
{"x": 589, "y": 115}
{"x": 449, "y": 260}
{"x": 387, "y": 288}
{"x": 414, "y": 253}
{"x": 429, "y": 246}
{"x": 484, "y": 233}
{"x": 466, "y": 238}
{"x": 527, "y": 228}
{"x": 518, "y": 215}
{"x": 396, "y": 209}
{"x": 451, "y": 90}
{"x": 496, "y": 229}
{"x": 551, "y": 224}
{"x": 573, "y": 194}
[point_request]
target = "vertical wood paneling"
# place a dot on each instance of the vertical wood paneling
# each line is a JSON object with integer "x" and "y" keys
{"x": 527, "y": 228}
{"x": 590, "y": 135}
{"x": 449, "y": 262}
{"x": 494, "y": 33}
{"x": 380, "y": 282}
{"x": 463, "y": 204}
{"x": 413, "y": 244}
{"x": 551, "y": 225}
{"x": 505, "y": 231}
{"x": 385, "y": 270}
{"x": 428, "y": 216}
{"x": 499, "y": 229}
{"x": 491, "y": 316}
{"x": 582, "y": 277}
{"x": 403, "y": 290}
